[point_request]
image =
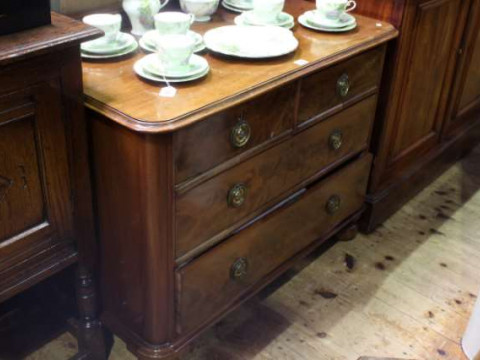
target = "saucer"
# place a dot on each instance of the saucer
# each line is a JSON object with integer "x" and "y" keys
{"x": 123, "y": 42}
{"x": 283, "y": 19}
{"x": 147, "y": 41}
{"x": 321, "y": 21}
{"x": 242, "y": 20}
{"x": 138, "y": 67}
{"x": 132, "y": 48}
{"x": 196, "y": 65}
{"x": 237, "y": 5}
{"x": 303, "y": 20}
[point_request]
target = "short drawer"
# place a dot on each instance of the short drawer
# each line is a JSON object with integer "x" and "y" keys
{"x": 330, "y": 89}
{"x": 223, "y": 201}
{"x": 211, "y": 142}
{"x": 214, "y": 281}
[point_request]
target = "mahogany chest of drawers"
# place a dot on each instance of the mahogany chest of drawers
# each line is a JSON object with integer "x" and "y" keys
{"x": 204, "y": 198}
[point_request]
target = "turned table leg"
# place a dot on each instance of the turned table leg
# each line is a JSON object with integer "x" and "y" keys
{"x": 91, "y": 335}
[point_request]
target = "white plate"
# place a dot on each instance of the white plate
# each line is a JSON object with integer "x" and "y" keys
{"x": 251, "y": 42}
{"x": 242, "y": 20}
{"x": 344, "y": 21}
{"x": 282, "y": 20}
{"x": 127, "y": 51}
{"x": 150, "y": 48}
{"x": 238, "y": 5}
{"x": 138, "y": 67}
{"x": 196, "y": 66}
{"x": 101, "y": 48}
{"x": 303, "y": 20}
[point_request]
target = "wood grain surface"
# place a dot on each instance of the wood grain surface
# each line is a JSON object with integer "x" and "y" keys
{"x": 113, "y": 89}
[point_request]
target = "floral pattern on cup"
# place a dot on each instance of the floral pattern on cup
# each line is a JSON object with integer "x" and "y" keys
{"x": 173, "y": 22}
{"x": 334, "y": 9}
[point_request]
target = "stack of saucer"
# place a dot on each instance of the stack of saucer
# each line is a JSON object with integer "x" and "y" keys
{"x": 283, "y": 20}
{"x": 150, "y": 68}
{"x": 238, "y": 5}
{"x": 316, "y": 21}
{"x": 102, "y": 49}
{"x": 149, "y": 40}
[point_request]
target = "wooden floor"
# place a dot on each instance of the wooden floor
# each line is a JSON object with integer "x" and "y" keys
{"x": 405, "y": 291}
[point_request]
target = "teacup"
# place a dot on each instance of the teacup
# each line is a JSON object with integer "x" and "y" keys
{"x": 202, "y": 9}
{"x": 173, "y": 22}
{"x": 110, "y": 24}
{"x": 334, "y": 9}
{"x": 267, "y": 11}
{"x": 174, "y": 52}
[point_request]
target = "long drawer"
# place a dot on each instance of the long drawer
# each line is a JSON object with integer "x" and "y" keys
{"x": 330, "y": 89}
{"x": 211, "y": 283}
{"x": 226, "y": 199}
{"x": 233, "y": 132}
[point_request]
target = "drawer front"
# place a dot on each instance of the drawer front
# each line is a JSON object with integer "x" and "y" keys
{"x": 329, "y": 89}
{"x": 211, "y": 283}
{"x": 223, "y": 201}
{"x": 233, "y": 132}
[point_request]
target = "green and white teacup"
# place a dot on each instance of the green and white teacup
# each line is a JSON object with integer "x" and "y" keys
{"x": 267, "y": 11}
{"x": 334, "y": 9}
{"x": 174, "y": 52}
{"x": 173, "y": 22}
{"x": 110, "y": 24}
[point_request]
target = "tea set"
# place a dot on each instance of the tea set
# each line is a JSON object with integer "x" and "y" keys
{"x": 262, "y": 30}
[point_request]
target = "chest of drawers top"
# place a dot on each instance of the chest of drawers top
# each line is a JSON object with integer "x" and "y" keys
{"x": 114, "y": 90}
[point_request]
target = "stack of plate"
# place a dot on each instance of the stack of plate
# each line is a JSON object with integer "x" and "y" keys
{"x": 312, "y": 20}
{"x": 149, "y": 40}
{"x": 100, "y": 49}
{"x": 248, "y": 18}
{"x": 238, "y": 5}
{"x": 150, "y": 68}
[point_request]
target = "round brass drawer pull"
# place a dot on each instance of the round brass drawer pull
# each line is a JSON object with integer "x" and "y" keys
{"x": 239, "y": 269}
{"x": 237, "y": 195}
{"x": 240, "y": 135}
{"x": 333, "y": 204}
{"x": 343, "y": 85}
{"x": 335, "y": 140}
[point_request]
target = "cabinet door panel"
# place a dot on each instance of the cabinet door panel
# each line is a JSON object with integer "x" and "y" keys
{"x": 471, "y": 91}
{"x": 35, "y": 201}
{"x": 420, "y": 108}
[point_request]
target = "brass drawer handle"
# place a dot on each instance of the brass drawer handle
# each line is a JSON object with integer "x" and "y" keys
{"x": 333, "y": 204}
{"x": 335, "y": 140}
{"x": 237, "y": 195}
{"x": 240, "y": 135}
{"x": 343, "y": 85}
{"x": 239, "y": 269}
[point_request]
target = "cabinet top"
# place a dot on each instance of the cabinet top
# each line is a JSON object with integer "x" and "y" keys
{"x": 63, "y": 32}
{"x": 114, "y": 90}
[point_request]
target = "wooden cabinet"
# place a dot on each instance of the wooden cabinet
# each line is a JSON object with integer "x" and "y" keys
{"x": 35, "y": 208}
{"x": 465, "y": 99}
{"x": 46, "y": 219}
{"x": 205, "y": 198}
{"x": 416, "y": 98}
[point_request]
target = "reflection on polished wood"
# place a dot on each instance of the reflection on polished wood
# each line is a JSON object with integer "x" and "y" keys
{"x": 114, "y": 90}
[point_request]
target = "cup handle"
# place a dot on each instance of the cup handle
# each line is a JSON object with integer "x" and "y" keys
{"x": 162, "y": 4}
{"x": 354, "y": 5}
{"x": 192, "y": 18}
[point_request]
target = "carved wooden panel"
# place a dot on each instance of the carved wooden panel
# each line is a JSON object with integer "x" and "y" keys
{"x": 471, "y": 90}
{"x": 420, "y": 107}
{"x": 21, "y": 195}
{"x": 35, "y": 203}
